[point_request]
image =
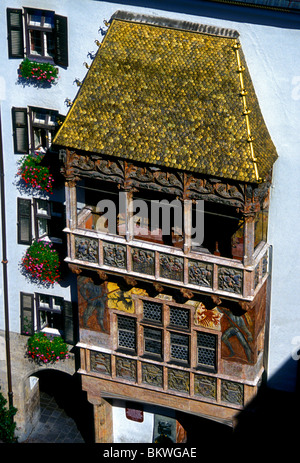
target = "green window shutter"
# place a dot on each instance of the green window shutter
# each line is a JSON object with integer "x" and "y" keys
{"x": 68, "y": 323}
{"x": 24, "y": 221}
{"x": 27, "y": 313}
{"x": 61, "y": 40}
{"x": 15, "y": 33}
{"x": 20, "y": 130}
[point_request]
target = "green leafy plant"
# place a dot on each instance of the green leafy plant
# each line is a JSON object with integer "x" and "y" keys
{"x": 38, "y": 72}
{"x": 34, "y": 174}
{"x": 43, "y": 348}
{"x": 7, "y": 425}
{"x": 41, "y": 261}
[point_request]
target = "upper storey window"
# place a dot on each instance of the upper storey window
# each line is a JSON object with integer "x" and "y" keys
{"x": 33, "y": 128}
{"x": 40, "y": 35}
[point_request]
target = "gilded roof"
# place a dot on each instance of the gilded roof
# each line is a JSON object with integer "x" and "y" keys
{"x": 171, "y": 97}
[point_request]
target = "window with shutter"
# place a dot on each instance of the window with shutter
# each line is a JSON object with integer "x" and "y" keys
{"x": 24, "y": 221}
{"x": 52, "y": 315}
{"x": 61, "y": 40}
{"x": 20, "y": 130}
{"x": 68, "y": 323}
{"x": 46, "y": 35}
{"x": 49, "y": 312}
{"x": 27, "y": 313}
{"x": 39, "y": 27}
{"x": 15, "y": 33}
{"x": 43, "y": 125}
{"x": 49, "y": 219}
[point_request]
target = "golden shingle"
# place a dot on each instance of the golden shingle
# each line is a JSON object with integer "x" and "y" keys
{"x": 170, "y": 97}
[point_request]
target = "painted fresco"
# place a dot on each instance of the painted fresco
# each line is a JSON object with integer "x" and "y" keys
{"x": 237, "y": 336}
{"x": 93, "y": 313}
{"x": 95, "y": 300}
{"x": 207, "y": 318}
{"x": 120, "y": 299}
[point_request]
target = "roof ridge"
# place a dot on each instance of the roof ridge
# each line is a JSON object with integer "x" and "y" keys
{"x": 246, "y": 109}
{"x": 174, "y": 24}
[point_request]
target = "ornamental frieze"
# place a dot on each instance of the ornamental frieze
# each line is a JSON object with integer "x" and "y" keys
{"x": 178, "y": 380}
{"x": 230, "y": 279}
{"x": 171, "y": 267}
{"x": 200, "y": 274}
{"x": 152, "y": 374}
{"x": 205, "y": 386}
{"x": 143, "y": 261}
{"x": 215, "y": 190}
{"x": 86, "y": 249}
{"x": 232, "y": 392}
{"x": 132, "y": 176}
{"x": 114, "y": 255}
{"x": 126, "y": 368}
{"x": 100, "y": 363}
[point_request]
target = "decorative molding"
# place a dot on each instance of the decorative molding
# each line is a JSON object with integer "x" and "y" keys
{"x": 86, "y": 249}
{"x": 205, "y": 386}
{"x": 114, "y": 255}
{"x": 232, "y": 392}
{"x": 230, "y": 279}
{"x": 152, "y": 374}
{"x": 131, "y": 177}
{"x": 200, "y": 273}
{"x": 171, "y": 267}
{"x": 178, "y": 380}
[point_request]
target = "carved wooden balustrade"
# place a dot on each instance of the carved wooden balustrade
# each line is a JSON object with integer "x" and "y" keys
{"x": 164, "y": 264}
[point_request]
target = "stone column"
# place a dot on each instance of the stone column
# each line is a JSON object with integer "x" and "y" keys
{"x": 103, "y": 421}
{"x": 71, "y": 204}
{"x": 187, "y": 221}
{"x": 127, "y": 206}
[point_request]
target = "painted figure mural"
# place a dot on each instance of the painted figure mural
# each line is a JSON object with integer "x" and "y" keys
{"x": 237, "y": 335}
{"x": 92, "y": 304}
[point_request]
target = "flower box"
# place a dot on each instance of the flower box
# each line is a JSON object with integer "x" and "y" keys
{"x": 34, "y": 174}
{"x": 41, "y": 262}
{"x": 38, "y": 73}
{"x": 43, "y": 348}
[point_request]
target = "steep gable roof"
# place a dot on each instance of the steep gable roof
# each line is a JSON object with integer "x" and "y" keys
{"x": 172, "y": 94}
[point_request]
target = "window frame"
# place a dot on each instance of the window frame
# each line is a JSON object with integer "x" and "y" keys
{"x": 19, "y": 41}
{"x": 43, "y": 30}
{"x": 30, "y": 319}
{"x": 50, "y": 309}
{"x": 25, "y": 138}
{"x": 47, "y": 127}
{"x": 33, "y": 216}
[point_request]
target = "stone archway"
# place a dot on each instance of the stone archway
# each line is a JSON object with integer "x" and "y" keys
{"x": 62, "y": 405}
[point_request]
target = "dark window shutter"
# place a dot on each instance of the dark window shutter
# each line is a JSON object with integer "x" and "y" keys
{"x": 61, "y": 40}
{"x": 24, "y": 221}
{"x": 68, "y": 323}
{"x": 15, "y": 33}
{"x": 27, "y": 313}
{"x": 20, "y": 130}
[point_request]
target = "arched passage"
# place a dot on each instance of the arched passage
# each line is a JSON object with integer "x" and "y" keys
{"x": 62, "y": 403}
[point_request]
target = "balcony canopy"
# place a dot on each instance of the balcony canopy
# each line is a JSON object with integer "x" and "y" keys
{"x": 172, "y": 94}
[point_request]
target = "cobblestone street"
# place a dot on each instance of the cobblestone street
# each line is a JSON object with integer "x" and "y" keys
{"x": 54, "y": 425}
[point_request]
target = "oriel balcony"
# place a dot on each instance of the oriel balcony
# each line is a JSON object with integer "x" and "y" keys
{"x": 232, "y": 260}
